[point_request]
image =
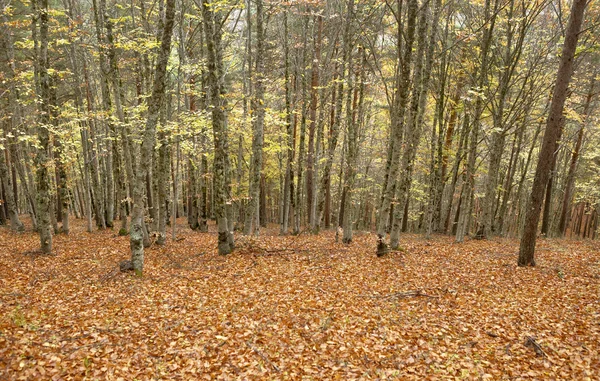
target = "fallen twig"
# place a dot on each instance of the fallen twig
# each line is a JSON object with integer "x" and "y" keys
{"x": 111, "y": 274}
{"x": 253, "y": 265}
{"x": 97, "y": 344}
{"x": 265, "y": 358}
{"x": 530, "y": 342}
{"x": 400, "y": 295}
{"x": 408, "y": 294}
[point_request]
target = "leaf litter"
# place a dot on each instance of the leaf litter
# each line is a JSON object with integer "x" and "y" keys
{"x": 297, "y": 307}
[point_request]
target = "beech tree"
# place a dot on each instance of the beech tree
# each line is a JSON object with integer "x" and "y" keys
{"x": 398, "y": 117}
{"x": 44, "y": 122}
{"x": 552, "y": 134}
{"x": 148, "y": 138}
{"x": 251, "y": 223}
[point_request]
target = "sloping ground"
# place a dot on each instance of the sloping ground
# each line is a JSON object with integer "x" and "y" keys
{"x": 298, "y": 308}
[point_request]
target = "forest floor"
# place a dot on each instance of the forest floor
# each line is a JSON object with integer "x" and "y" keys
{"x": 297, "y": 307}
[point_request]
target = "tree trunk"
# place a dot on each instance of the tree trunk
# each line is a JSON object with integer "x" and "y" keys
{"x": 501, "y": 126}
{"x": 469, "y": 184}
{"x": 300, "y": 161}
{"x": 63, "y": 191}
{"x": 148, "y": 137}
{"x": 251, "y": 221}
{"x": 124, "y": 132}
{"x": 203, "y": 208}
{"x": 11, "y": 207}
{"x": 314, "y": 94}
{"x": 83, "y": 131}
{"x": 43, "y": 179}
{"x": 354, "y": 119}
{"x": 163, "y": 186}
{"x": 100, "y": 17}
{"x": 192, "y": 196}
{"x": 548, "y": 196}
{"x": 8, "y": 154}
{"x": 422, "y": 78}
{"x": 96, "y": 190}
{"x": 570, "y": 181}
{"x": 213, "y": 34}
{"x": 400, "y": 102}
{"x": 27, "y": 182}
{"x": 288, "y": 193}
{"x": 551, "y": 135}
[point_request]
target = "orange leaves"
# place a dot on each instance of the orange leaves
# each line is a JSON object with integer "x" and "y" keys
{"x": 296, "y": 307}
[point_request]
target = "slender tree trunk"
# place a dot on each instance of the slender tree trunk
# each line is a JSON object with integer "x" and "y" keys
{"x": 163, "y": 186}
{"x": 501, "y": 126}
{"x": 123, "y": 131}
{"x": 469, "y": 184}
{"x": 336, "y": 119}
{"x": 63, "y": 191}
{"x": 508, "y": 185}
{"x": 203, "y": 209}
{"x": 251, "y": 221}
{"x": 174, "y": 176}
{"x": 96, "y": 190}
{"x": 288, "y": 193}
{"x": 570, "y": 181}
{"x": 415, "y": 117}
{"x": 354, "y": 118}
{"x": 301, "y": 148}
{"x": 8, "y": 154}
{"x": 11, "y": 207}
{"x": 100, "y": 17}
{"x": 27, "y": 182}
{"x": 314, "y": 95}
{"x": 548, "y": 197}
{"x": 552, "y": 134}
{"x": 400, "y": 102}
{"x": 148, "y": 137}
{"x": 212, "y": 29}
{"x": 83, "y": 128}
{"x": 43, "y": 178}
{"x": 3, "y": 208}
{"x": 192, "y": 197}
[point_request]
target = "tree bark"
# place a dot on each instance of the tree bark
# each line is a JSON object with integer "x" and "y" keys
{"x": 123, "y": 131}
{"x": 469, "y": 184}
{"x": 42, "y": 176}
{"x": 570, "y": 181}
{"x": 148, "y": 138}
{"x": 314, "y": 95}
{"x": 399, "y": 108}
{"x": 354, "y": 119}
{"x": 96, "y": 190}
{"x": 100, "y": 17}
{"x": 213, "y": 34}
{"x": 422, "y": 78}
{"x": 288, "y": 193}
{"x": 251, "y": 221}
{"x": 163, "y": 185}
{"x": 551, "y": 135}
{"x": 301, "y": 148}
{"x": 498, "y": 138}
{"x": 8, "y": 154}
{"x": 7, "y": 184}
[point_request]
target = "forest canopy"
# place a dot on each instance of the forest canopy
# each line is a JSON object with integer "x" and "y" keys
{"x": 407, "y": 116}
